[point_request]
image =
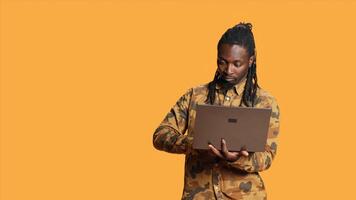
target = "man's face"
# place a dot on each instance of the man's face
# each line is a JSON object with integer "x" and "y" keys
{"x": 233, "y": 62}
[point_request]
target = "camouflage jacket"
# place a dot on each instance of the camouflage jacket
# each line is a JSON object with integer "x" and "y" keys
{"x": 205, "y": 176}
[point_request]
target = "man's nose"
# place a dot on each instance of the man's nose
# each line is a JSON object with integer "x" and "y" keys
{"x": 229, "y": 68}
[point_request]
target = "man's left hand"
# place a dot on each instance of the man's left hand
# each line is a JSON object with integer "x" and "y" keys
{"x": 225, "y": 153}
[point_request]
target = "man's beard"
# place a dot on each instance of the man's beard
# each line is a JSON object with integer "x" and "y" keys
{"x": 224, "y": 84}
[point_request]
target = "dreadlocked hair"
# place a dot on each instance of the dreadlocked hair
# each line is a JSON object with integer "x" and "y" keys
{"x": 241, "y": 34}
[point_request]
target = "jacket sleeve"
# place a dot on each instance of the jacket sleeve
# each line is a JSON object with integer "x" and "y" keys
{"x": 259, "y": 161}
{"x": 170, "y": 135}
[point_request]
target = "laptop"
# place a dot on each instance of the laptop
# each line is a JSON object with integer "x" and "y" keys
{"x": 241, "y": 127}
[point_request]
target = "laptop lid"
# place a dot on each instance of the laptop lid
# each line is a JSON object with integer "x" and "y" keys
{"x": 240, "y": 127}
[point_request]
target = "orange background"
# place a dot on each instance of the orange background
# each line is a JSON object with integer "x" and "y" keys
{"x": 84, "y": 84}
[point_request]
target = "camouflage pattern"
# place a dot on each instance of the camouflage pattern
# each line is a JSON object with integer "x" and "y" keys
{"x": 206, "y": 176}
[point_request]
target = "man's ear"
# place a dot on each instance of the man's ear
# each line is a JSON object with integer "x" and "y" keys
{"x": 251, "y": 60}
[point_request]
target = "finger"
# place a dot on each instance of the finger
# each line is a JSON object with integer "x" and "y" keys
{"x": 215, "y": 151}
{"x": 224, "y": 149}
{"x": 234, "y": 153}
{"x": 229, "y": 155}
{"x": 245, "y": 153}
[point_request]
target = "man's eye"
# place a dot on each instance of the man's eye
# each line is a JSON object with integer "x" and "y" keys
{"x": 221, "y": 62}
{"x": 237, "y": 64}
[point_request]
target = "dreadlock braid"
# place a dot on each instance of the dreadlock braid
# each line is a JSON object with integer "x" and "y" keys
{"x": 242, "y": 35}
{"x": 211, "y": 86}
{"x": 249, "y": 94}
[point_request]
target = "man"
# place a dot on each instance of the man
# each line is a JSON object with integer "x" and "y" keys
{"x": 215, "y": 174}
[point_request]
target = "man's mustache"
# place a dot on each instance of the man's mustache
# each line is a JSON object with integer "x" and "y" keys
{"x": 225, "y": 85}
